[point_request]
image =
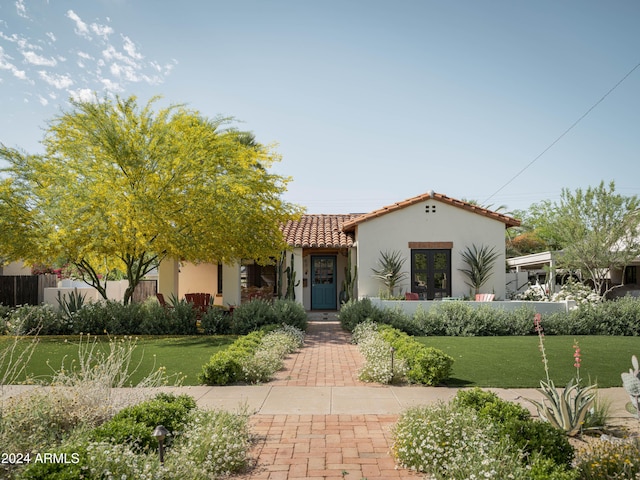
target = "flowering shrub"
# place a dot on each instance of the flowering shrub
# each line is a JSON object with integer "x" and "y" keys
{"x": 578, "y": 292}
{"x": 609, "y": 459}
{"x": 419, "y": 364}
{"x": 535, "y": 293}
{"x": 448, "y": 442}
{"x": 378, "y": 364}
{"x": 253, "y": 358}
{"x": 214, "y": 444}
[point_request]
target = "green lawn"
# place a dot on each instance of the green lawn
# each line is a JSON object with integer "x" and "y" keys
{"x": 479, "y": 361}
{"x": 511, "y": 362}
{"x": 179, "y": 355}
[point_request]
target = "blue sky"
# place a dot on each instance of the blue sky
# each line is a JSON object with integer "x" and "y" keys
{"x": 370, "y": 102}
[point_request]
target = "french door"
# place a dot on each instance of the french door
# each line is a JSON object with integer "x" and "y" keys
{"x": 431, "y": 273}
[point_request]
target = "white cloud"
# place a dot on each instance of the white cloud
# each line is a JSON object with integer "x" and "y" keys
{"x": 21, "y": 9}
{"x": 6, "y": 64}
{"x": 43, "y": 101}
{"x": 130, "y": 48}
{"x": 56, "y": 80}
{"x": 35, "y": 59}
{"x": 51, "y": 36}
{"x": 110, "y": 85}
{"x": 101, "y": 30}
{"x": 81, "y": 28}
{"x": 82, "y": 95}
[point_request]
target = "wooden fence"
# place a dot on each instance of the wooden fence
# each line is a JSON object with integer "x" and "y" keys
{"x": 24, "y": 289}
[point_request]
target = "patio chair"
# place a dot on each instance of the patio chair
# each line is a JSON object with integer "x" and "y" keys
{"x": 411, "y": 296}
{"x": 162, "y": 301}
{"x": 485, "y": 297}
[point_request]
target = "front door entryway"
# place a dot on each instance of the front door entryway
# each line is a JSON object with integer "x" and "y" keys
{"x": 323, "y": 283}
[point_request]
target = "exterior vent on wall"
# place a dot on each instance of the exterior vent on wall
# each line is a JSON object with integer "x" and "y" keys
{"x": 430, "y": 209}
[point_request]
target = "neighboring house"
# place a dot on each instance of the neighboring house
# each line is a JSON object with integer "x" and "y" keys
{"x": 539, "y": 265}
{"x": 430, "y": 231}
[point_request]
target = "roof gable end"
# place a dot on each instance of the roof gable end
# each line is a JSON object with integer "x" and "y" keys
{"x": 349, "y": 226}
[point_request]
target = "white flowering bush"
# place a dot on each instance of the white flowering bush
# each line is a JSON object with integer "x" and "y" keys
{"x": 268, "y": 357}
{"x": 578, "y": 292}
{"x": 535, "y": 293}
{"x": 214, "y": 444}
{"x": 377, "y": 353}
{"x": 449, "y": 442}
{"x": 261, "y": 366}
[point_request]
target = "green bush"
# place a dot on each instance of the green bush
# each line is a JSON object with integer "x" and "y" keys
{"x": 541, "y": 438}
{"x": 251, "y": 316}
{"x": 75, "y": 466}
{"x": 514, "y": 421}
{"x": 225, "y": 367}
{"x": 43, "y": 319}
{"x": 426, "y": 365}
{"x": 216, "y": 321}
{"x": 488, "y": 404}
{"x": 290, "y": 312}
{"x": 356, "y": 311}
{"x": 134, "y": 425}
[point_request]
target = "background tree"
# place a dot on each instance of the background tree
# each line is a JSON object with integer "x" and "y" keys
{"x": 121, "y": 187}
{"x": 596, "y": 229}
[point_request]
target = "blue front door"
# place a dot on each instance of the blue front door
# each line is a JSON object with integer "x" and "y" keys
{"x": 323, "y": 283}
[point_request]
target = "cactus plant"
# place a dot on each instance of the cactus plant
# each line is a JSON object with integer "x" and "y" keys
{"x": 291, "y": 281}
{"x": 349, "y": 282}
{"x": 631, "y": 383}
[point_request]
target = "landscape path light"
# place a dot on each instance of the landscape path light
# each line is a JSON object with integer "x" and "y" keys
{"x": 161, "y": 433}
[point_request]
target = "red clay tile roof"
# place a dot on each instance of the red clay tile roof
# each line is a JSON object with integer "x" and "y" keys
{"x": 323, "y": 231}
{"x": 349, "y": 226}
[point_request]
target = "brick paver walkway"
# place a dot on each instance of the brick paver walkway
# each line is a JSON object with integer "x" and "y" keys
{"x": 328, "y": 359}
{"x": 314, "y": 447}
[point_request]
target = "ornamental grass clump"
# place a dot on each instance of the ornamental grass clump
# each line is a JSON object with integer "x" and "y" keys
{"x": 81, "y": 394}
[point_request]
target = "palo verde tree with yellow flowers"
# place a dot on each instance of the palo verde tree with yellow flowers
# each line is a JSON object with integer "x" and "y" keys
{"x": 121, "y": 186}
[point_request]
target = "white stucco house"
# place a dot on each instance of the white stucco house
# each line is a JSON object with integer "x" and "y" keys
{"x": 430, "y": 231}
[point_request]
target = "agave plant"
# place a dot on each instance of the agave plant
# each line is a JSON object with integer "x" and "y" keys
{"x": 389, "y": 270}
{"x": 565, "y": 409}
{"x": 480, "y": 265}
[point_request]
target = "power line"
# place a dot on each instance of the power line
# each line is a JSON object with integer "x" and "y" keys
{"x": 563, "y": 134}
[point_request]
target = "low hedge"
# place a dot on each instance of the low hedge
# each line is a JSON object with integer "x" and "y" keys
{"x": 614, "y": 317}
{"x": 148, "y": 318}
{"x": 252, "y": 358}
{"x": 426, "y": 365}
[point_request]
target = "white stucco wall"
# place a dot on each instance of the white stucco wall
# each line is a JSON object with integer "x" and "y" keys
{"x": 394, "y": 230}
